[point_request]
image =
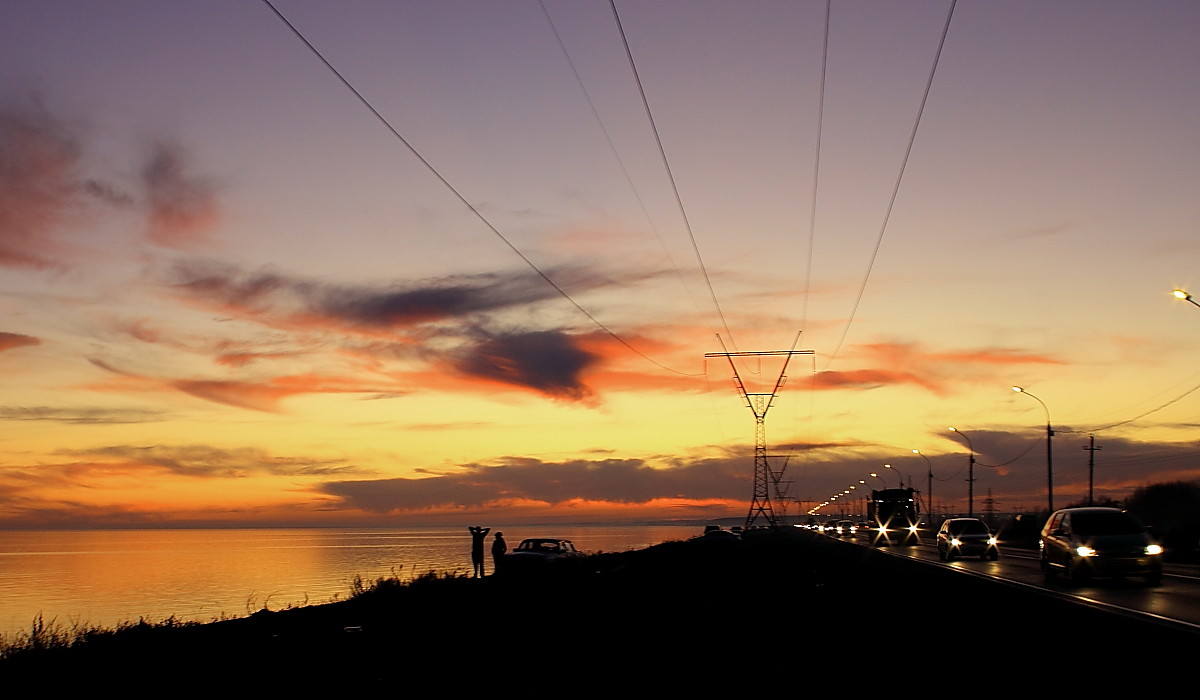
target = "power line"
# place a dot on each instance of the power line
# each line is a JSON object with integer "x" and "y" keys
{"x": 1143, "y": 415}
{"x": 465, "y": 202}
{"x": 670, "y": 175}
{"x": 613, "y": 148}
{"x": 896, "y": 188}
{"x": 812, "y": 217}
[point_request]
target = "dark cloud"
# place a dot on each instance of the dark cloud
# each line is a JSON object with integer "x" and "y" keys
{"x": 550, "y": 362}
{"x": 618, "y": 481}
{"x": 204, "y": 461}
{"x": 8, "y": 341}
{"x": 79, "y": 416}
{"x": 180, "y": 206}
{"x": 396, "y": 306}
{"x": 444, "y": 320}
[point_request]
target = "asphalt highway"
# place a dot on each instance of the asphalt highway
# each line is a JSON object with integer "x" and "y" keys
{"x": 1176, "y": 601}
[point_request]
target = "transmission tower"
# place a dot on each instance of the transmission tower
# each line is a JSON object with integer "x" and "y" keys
{"x": 759, "y": 403}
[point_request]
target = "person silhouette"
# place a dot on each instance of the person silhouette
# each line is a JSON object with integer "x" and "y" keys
{"x": 499, "y": 547}
{"x": 478, "y": 532}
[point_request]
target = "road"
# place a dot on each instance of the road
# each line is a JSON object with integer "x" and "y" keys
{"x": 1175, "y": 601}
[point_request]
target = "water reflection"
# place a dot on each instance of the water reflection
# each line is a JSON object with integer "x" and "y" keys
{"x": 109, "y": 576}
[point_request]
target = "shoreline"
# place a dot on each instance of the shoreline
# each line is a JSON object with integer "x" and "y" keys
{"x": 796, "y": 592}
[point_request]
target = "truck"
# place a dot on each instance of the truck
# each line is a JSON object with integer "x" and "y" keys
{"x": 894, "y": 517}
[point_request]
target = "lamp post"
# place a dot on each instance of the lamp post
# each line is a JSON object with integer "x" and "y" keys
{"x": 888, "y": 466}
{"x": 1049, "y": 448}
{"x": 1180, "y": 294}
{"x": 928, "y": 487}
{"x": 970, "y": 473}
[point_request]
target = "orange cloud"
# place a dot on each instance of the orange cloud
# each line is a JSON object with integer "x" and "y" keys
{"x": 8, "y": 341}
{"x": 870, "y": 378}
{"x": 264, "y": 395}
{"x": 994, "y": 357}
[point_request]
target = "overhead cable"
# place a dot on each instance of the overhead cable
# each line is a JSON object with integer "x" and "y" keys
{"x": 478, "y": 215}
{"x": 670, "y": 175}
{"x": 896, "y": 188}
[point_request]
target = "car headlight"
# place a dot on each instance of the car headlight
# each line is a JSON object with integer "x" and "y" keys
{"x": 1154, "y": 549}
{"x": 955, "y": 542}
{"x": 992, "y": 541}
{"x": 1085, "y": 551}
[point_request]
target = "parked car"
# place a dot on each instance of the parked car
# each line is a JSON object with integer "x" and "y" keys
{"x": 537, "y": 552}
{"x": 718, "y": 535}
{"x": 966, "y": 537}
{"x": 1083, "y": 542}
{"x": 545, "y": 548}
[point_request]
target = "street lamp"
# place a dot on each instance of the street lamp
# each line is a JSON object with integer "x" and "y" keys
{"x": 1049, "y": 448}
{"x": 1180, "y": 294}
{"x": 928, "y": 488}
{"x": 970, "y": 473}
{"x": 888, "y": 466}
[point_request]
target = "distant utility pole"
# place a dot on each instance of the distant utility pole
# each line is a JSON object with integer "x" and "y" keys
{"x": 1091, "y": 448}
{"x": 759, "y": 403}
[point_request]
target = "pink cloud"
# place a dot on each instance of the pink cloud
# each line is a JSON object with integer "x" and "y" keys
{"x": 37, "y": 188}
{"x": 182, "y": 208}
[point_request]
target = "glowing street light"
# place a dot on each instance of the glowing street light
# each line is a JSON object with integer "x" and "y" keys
{"x": 1049, "y": 448}
{"x": 1181, "y": 294}
{"x": 888, "y": 466}
{"x": 970, "y": 473}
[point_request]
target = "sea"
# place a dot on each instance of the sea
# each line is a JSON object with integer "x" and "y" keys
{"x": 104, "y": 578}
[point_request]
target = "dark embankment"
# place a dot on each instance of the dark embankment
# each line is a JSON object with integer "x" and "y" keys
{"x": 677, "y": 612}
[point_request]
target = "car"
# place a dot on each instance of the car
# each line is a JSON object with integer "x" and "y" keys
{"x": 545, "y": 548}
{"x": 846, "y": 528}
{"x": 1094, "y": 541}
{"x": 966, "y": 537}
{"x": 537, "y": 552}
{"x": 718, "y": 535}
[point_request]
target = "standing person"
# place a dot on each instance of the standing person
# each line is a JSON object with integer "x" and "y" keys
{"x": 478, "y": 532}
{"x": 499, "y": 547}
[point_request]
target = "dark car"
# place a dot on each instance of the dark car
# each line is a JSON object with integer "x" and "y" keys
{"x": 966, "y": 537}
{"x": 536, "y": 553}
{"x": 545, "y": 549}
{"x": 717, "y": 535}
{"x": 1083, "y": 542}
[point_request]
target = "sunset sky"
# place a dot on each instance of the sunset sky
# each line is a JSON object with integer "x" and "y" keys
{"x": 230, "y": 294}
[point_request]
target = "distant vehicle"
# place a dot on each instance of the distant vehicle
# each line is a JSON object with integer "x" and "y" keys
{"x": 966, "y": 537}
{"x": 894, "y": 517}
{"x": 846, "y": 528}
{"x": 1083, "y": 542}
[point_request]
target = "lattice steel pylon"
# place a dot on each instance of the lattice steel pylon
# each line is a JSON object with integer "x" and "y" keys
{"x": 759, "y": 403}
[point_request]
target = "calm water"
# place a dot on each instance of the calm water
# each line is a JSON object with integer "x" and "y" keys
{"x": 109, "y": 576}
